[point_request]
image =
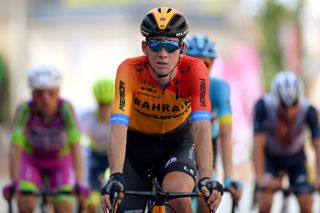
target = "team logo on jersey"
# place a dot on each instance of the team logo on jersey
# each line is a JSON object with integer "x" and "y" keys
{"x": 148, "y": 89}
{"x": 184, "y": 69}
{"x": 147, "y": 83}
{"x": 161, "y": 107}
{"x": 139, "y": 67}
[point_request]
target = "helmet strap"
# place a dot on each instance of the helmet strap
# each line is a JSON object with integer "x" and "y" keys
{"x": 165, "y": 75}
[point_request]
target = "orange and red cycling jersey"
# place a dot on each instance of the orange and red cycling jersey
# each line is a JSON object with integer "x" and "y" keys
{"x": 144, "y": 106}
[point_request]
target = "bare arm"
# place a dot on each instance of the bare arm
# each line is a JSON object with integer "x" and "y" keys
{"x": 259, "y": 156}
{"x": 15, "y": 159}
{"x": 316, "y": 143}
{"x": 203, "y": 147}
{"x": 77, "y": 161}
{"x": 226, "y": 143}
{"x": 117, "y": 147}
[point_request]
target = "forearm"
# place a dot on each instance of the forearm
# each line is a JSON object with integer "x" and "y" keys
{"x": 316, "y": 143}
{"x": 203, "y": 147}
{"x": 259, "y": 157}
{"x": 77, "y": 161}
{"x": 15, "y": 159}
{"x": 226, "y": 143}
{"x": 117, "y": 147}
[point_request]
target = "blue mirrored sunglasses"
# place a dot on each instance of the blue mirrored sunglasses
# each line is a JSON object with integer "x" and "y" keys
{"x": 169, "y": 45}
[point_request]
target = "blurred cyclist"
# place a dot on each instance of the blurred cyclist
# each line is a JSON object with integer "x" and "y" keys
{"x": 96, "y": 125}
{"x": 45, "y": 144}
{"x": 280, "y": 121}
{"x": 202, "y": 47}
{"x": 161, "y": 119}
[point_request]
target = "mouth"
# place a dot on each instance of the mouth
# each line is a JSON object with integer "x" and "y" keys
{"x": 162, "y": 63}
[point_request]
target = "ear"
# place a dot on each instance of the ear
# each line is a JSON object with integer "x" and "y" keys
{"x": 183, "y": 49}
{"x": 144, "y": 47}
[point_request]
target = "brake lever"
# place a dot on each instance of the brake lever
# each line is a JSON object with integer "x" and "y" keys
{"x": 114, "y": 197}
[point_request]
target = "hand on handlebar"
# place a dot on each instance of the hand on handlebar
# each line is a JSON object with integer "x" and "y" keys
{"x": 112, "y": 191}
{"x": 317, "y": 184}
{"x": 234, "y": 187}
{"x": 82, "y": 191}
{"x": 212, "y": 191}
{"x": 8, "y": 190}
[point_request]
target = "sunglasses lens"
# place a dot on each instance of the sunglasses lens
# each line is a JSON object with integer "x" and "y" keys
{"x": 170, "y": 46}
{"x": 42, "y": 93}
{"x": 155, "y": 45}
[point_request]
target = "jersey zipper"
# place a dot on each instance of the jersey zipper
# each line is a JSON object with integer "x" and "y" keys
{"x": 164, "y": 120}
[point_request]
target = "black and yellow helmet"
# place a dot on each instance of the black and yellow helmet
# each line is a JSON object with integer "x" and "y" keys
{"x": 164, "y": 21}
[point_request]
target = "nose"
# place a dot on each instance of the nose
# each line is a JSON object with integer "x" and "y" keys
{"x": 163, "y": 52}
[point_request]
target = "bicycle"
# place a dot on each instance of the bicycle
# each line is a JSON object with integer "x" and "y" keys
{"x": 44, "y": 194}
{"x": 286, "y": 193}
{"x": 44, "y": 201}
{"x": 156, "y": 199}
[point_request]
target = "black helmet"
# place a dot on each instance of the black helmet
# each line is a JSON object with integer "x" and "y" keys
{"x": 164, "y": 21}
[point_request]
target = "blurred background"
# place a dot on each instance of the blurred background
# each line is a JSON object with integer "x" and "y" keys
{"x": 87, "y": 39}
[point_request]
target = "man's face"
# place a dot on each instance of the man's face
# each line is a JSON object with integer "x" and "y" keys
{"x": 289, "y": 113}
{"x": 46, "y": 101}
{"x": 162, "y": 52}
{"x": 104, "y": 110}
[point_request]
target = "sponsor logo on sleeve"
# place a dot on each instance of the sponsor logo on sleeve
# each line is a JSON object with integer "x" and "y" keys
{"x": 202, "y": 92}
{"x": 122, "y": 90}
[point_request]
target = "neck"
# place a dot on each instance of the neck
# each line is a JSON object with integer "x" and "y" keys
{"x": 164, "y": 81}
{"x": 47, "y": 117}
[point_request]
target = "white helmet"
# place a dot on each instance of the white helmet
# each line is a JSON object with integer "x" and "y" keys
{"x": 287, "y": 88}
{"x": 44, "y": 77}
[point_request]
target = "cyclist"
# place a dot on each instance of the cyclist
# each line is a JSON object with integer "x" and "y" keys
{"x": 95, "y": 124}
{"x": 45, "y": 141}
{"x": 202, "y": 47}
{"x": 280, "y": 120}
{"x": 161, "y": 118}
